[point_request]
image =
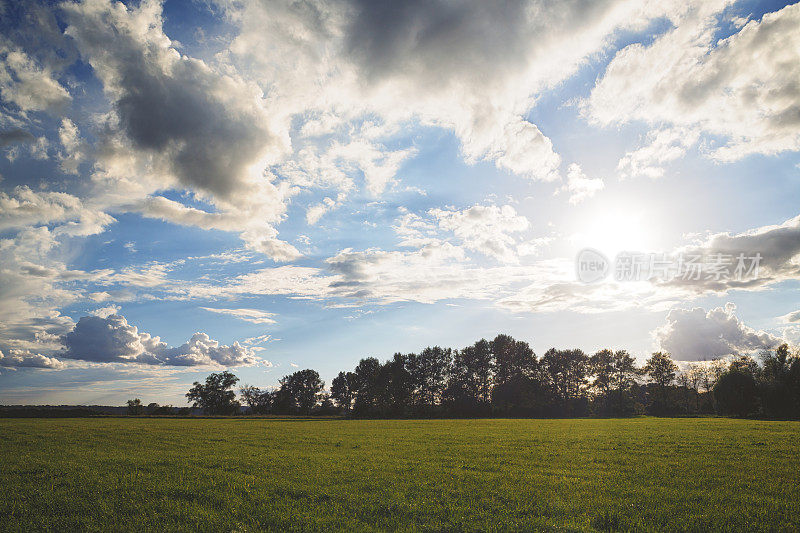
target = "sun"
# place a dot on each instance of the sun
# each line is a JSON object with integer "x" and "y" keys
{"x": 616, "y": 231}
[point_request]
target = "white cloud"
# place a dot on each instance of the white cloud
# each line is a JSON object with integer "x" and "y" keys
{"x": 663, "y": 146}
{"x": 579, "y": 186}
{"x": 255, "y": 316}
{"x": 111, "y": 339}
{"x": 742, "y": 88}
{"x": 27, "y": 84}
{"x": 696, "y": 335}
{"x": 24, "y": 207}
{"x": 22, "y": 359}
{"x": 473, "y": 68}
{"x": 484, "y": 229}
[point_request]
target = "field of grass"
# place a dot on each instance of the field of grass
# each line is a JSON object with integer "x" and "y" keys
{"x": 160, "y": 474}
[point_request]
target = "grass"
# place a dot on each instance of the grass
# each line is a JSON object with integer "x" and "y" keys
{"x": 165, "y": 474}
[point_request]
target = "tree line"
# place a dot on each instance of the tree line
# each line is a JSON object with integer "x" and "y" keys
{"x": 504, "y": 377}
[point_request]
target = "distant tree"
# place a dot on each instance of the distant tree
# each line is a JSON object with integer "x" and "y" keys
{"x": 744, "y": 363}
{"x": 215, "y": 396}
{"x": 299, "y": 392}
{"x": 366, "y": 387}
{"x": 396, "y": 386}
{"x": 512, "y": 359}
{"x": 567, "y": 372}
{"x": 429, "y": 372}
{"x": 259, "y": 401}
{"x": 342, "y": 390}
{"x": 624, "y": 371}
{"x": 775, "y": 383}
{"x": 735, "y": 392}
{"x": 152, "y": 408}
{"x": 614, "y": 377}
{"x": 469, "y": 389}
{"x": 660, "y": 370}
{"x": 135, "y": 407}
{"x": 601, "y": 365}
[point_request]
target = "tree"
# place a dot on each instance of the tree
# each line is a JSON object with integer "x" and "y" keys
{"x": 601, "y": 365}
{"x": 512, "y": 359}
{"x": 660, "y": 369}
{"x": 299, "y": 392}
{"x": 259, "y": 401}
{"x": 135, "y": 407}
{"x": 365, "y": 386}
{"x": 215, "y": 397}
{"x": 614, "y": 377}
{"x": 469, "y": 389}
{"x": 775, "y": 382}
{"x": 429, "y": 371}
{"x": 342, "y": 390}
{"x": 567, "y": 371}
{"x": 735, "y": 392}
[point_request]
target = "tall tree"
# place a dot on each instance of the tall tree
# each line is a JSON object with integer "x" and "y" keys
{"x": 661, "y": 370}
{"x": 215, "y": 396}
{"x": 567, "y": 372}
{"x": 512, "y": 359}
{"x": 429, "y": 371}
{"x": 300, "y": 392}
{"x": 342, "y": 390}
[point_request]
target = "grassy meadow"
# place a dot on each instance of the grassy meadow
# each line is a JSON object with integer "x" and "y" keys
{"x": 157, "y": 474}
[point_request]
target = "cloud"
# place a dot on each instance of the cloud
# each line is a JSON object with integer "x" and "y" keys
{"x": 769, "y": 253}
{"x": 24, "y": 207}
{"x": 663, "y": 146}
{"x": 484, "y": 229}
{"x": 579, "y": 186}
{"x": 22, "y": 359}
{"x": 111, "y": 339}
{"x": 790, "y": 318}
{"x": 13, "y": 136}
{"x": 28, "y": 84}
{"x": 697, "y": 335}
{"x": 255, "y": 316}
{"x": 742, "y": 89}
{"x": 472, "y": 68}
{"x": 178, "y": 122}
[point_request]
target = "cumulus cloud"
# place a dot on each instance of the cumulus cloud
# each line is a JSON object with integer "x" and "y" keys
{"x": 696, "y": 335}
{"x": 27, "y": 84}
{"x": 473, "y": 68}
{"x": 579, "y": 186}
{"x": 484, "y": 229}
{"x": 24, "y": 207}
{"x": 742, "y": 89}
{"x": 23, "y": 359}
{"x": 111, "y": 339}
{"x": 178, "y": 121}
{"x": 768, "y": 255}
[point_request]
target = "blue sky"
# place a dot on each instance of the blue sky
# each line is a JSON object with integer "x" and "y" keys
{"x": 266, "y": 186}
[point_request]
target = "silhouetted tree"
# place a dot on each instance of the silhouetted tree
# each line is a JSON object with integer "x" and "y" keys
{"x": 660, "y": 370}
{"x": 512, "y": 359}
{"x": 735, "y": 392}
{"x": 135, "y": 407}
{"x": 429, "y": 372}
{"x": 259, "y": 401}
{"x": 342, "y": 390}
{"x": 299, "y": 392}
{"x": 215, "y": 397}
{"x": 567, "y": 372}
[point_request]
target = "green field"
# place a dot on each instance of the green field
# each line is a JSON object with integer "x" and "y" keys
{"x": 139, "y": 474}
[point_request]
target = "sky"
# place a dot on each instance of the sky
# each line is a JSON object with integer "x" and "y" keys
{"x": 265, "y": 186}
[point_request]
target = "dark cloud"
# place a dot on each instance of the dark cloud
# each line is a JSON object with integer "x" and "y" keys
{"x": 14, "y": 136}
